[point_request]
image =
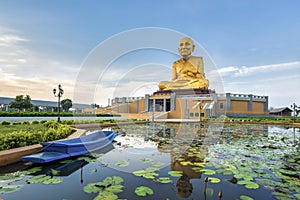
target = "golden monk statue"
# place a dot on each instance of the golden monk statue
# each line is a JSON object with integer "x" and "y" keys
{"x": 187, "y": 72}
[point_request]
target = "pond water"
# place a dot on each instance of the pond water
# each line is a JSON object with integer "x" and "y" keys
{"x": 171, "y": 161}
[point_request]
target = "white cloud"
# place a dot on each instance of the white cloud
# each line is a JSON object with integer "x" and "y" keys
{"x": 246, "y": 71}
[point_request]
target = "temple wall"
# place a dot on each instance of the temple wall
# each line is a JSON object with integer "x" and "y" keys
{"x": 258, "y": 107}
{"x": 230, "y": 104}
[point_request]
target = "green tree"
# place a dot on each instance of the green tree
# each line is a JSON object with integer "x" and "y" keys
{"x": 21, "y": 102}
{"x": 66, "y": 104}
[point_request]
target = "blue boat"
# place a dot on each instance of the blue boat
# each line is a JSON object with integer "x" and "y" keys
{"x": 61, "y": 149}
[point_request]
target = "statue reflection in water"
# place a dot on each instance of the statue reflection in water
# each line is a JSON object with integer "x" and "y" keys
{"x": 184, "y": 157}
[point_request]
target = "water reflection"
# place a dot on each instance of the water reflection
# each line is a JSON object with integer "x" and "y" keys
{"x": 262, "y": 153}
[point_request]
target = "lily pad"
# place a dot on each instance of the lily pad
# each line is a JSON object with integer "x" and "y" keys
{"x": 158, "y": 164}
{"x": 87, "y": 159}
{"x": 208, "y": 171}
{"x": 245, "y": 197}
{"x": 11, "y": 177}
{"x": 65, "y": 161}
{"x": 252, "y": 185}
{"x": 106, "y": 196}
{"x": 146, "y": 160}
{"x": 185, "y": 163}
{"x": 55, "y": 172}
{"x": 287, "y": 172}
{"x": 146, "y": 173}
{"x": 297, "y": 196}
{"x": 107, "y": 188}
{"x": 44, "y": 179}
{"x": 52, "y": 181}
{"x": 214, "y": 180}
{"x": 244, "y": 176}
{"x": 164, "y": 180}
{"x": 10, "y": 188}
{"x": 143, "y": 191}
{"x": 122, "y": 163}
{"x": 38, "y": 179}
{"x": 32, "y": 170}
{"x": 175, "y": 173}
{"x": 115, "y": 188}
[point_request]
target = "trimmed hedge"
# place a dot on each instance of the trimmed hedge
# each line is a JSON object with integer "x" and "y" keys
{"x": 22, "y": 138}
{"x": 51, "y": 114}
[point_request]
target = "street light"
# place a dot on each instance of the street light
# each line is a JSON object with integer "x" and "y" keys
{"x": 294, "y": 106}
{"x": 200, "y": 108}
{"x": 59, "y": 94}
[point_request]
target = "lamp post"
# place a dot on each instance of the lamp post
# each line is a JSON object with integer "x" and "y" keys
{"x": 294, "y": 106}
{"x": 58, "y": 94}
{"x": 200, "y": 108}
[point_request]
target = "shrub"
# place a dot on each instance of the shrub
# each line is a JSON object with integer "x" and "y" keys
{"x": 26, "y": 122}
{"x": 17, "y": 123}
{"x": 43, "y": 121}
{"x": 5, "y": 122}
{"x": 29, "y": 137}
{"x": 35, "y": 122}
{"x": 68, "y": 122}
{"x": 51, "y": 124}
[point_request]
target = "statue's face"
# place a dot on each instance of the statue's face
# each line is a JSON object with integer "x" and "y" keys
{"x": 186, "y": 47}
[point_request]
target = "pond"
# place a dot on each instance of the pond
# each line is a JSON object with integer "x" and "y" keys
{"x": 171, "y": 161}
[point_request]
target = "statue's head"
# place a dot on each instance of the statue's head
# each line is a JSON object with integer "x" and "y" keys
{"x": 186, "y": 47}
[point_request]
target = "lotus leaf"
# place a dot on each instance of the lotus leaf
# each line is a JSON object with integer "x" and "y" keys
{"x": 199, "y": 164}
{"x": 245, "y": 197}
{"x": 158, "y": 164}
{"x": 92, "y": 188}
{"x": 87, "y": 159}
{"x": 175, "y": 173}
{"x": 38, "y": 179}
{"x": 252, "y": 185}
{"x": 197, "y": 169}
{"x": 147, "y": 173}
{"x": 96, "y": 155}
{"x": 10, "y": 188}
{"x": 164, "y": 180}
{"x": 122, "y": 163}
{"x": 185, "y": 163}
{"x": 65, "y": 161}
{"x": 113, "y": 180}
{"x": 282, "y": 196}
{"x": 52, "y": 181}
{"x": 208, "y": 171}
{"x": 106, "y": 188}
{"x": 115, "y": 188}
{"x": 106, "y": 196}
{"x": 55, "y": 172}
{"x": 214, "y": 180}
{"x": 11, "y": 177}
{"x": 32, "y": 170}
{"x": 143, "y": 191}
{"x": 244, "y": 176}
{"x": 146, "y": 160}
{"x": 287, "y": 172}
{"x": 266, "y": 182}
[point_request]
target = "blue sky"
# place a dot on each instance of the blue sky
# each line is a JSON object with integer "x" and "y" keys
{"x": 252, "y": 46}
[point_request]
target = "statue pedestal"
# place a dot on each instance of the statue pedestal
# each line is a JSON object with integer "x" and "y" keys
{"x": 192, "y": 91}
